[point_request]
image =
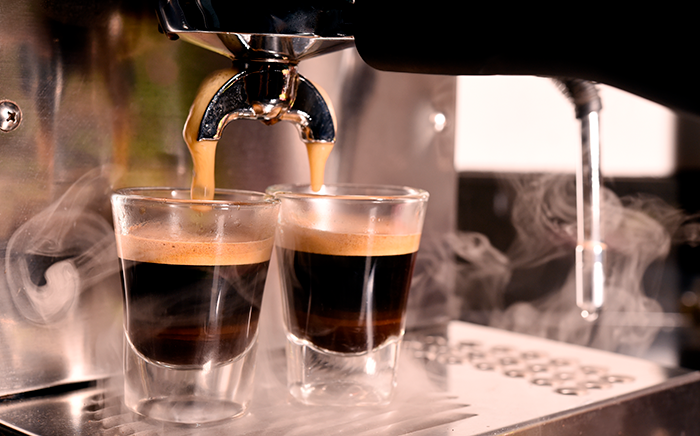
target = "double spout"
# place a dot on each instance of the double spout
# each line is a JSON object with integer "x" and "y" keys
{"x": 270, "y": 92}
{"x": 266, "y": 41}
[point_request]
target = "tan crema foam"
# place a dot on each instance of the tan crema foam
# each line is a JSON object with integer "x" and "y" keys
{"x": 148, "y": 247}
{"x": 346, "y": 244}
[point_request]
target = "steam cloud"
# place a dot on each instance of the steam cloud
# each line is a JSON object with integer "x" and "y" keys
{"x": 637, "y": 230}
{"x": 63, "y": 250}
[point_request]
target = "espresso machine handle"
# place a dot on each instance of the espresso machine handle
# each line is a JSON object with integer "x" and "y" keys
{"x": 648, "y": 51}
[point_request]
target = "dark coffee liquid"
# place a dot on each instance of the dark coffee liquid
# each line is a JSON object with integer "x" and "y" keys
{"x": 192, "y": 315}
{"x": 325, "y": 293}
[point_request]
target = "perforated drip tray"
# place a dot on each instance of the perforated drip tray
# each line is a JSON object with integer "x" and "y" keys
{"x": 476, "y": 381}
{"x": 563, "y": 374}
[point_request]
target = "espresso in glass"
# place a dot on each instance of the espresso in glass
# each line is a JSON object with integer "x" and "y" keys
{"x": 193, "y": 275}
{"x": 191, "y": 303}
{"x": 348, "y": 302}
{"x": 346, "y": 255}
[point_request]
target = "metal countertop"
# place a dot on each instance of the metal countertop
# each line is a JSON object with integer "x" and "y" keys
{"x": 476, "y": 381}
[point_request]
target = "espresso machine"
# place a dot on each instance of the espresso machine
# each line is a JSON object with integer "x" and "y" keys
{"x": 94, "y": 96}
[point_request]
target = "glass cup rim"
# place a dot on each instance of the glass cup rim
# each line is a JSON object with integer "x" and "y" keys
{"x": 149, "y": 194}
{"x": 402, "y": 193}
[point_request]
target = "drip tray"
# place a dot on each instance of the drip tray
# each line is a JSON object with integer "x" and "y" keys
{"x": 475, "y": 381}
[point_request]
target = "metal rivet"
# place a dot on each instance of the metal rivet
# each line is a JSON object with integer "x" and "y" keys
{"x": 593, "y": 370}
{"x": 618, "y": 379}
{"x": 542, "y": 382}
{"x": 571, "y": 391}
{"x": 559, "y": 361}
{"x": 564, "y": 375}
{"x": 596, "y": 384}
{"x": 508, "y": 361}
{"x": 10, "y": 116}
{"x": 532, "y": 355}
{"x": 538, "y": 367}
{"x": 484, "y": 366}
{"x": 515, "y": 373}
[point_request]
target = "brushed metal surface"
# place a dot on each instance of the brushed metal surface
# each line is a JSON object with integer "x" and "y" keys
{"x": 104, "y": 97}
{"x": 434, "y": 397}
{"x": 80, "y": 75}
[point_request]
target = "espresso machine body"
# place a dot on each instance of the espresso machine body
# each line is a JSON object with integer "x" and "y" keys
{"x": 93, "y": 98}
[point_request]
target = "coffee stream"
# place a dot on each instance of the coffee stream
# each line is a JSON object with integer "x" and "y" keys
{"x": 204, "y": 152}
{"x": 318, "y": 155}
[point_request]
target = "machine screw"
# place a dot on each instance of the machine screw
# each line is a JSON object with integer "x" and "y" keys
{"x": 10, "y": 116}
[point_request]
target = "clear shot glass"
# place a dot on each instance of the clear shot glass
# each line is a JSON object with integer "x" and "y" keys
{"x": 346, "y": 257}
{"x": 193, "y": 273}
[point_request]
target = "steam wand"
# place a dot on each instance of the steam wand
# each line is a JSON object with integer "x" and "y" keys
{"x": 590, "y": 248}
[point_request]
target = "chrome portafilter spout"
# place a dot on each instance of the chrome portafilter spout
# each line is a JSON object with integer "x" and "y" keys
{"x": 270, "y": 92}
{"x": 266, "y": 41}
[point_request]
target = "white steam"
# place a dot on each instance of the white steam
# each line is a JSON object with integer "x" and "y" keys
{"x": 62, "y": 251}
{"x": 637, "y": 230}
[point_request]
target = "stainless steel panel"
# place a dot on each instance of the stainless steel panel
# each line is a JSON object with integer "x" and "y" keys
{"x": 103, "y": 98}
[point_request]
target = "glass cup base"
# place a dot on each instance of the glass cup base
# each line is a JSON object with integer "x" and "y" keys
{"x": 321, "y": 377}
{"x": 187, "y": 395}
{"x": 191, "y": 410}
